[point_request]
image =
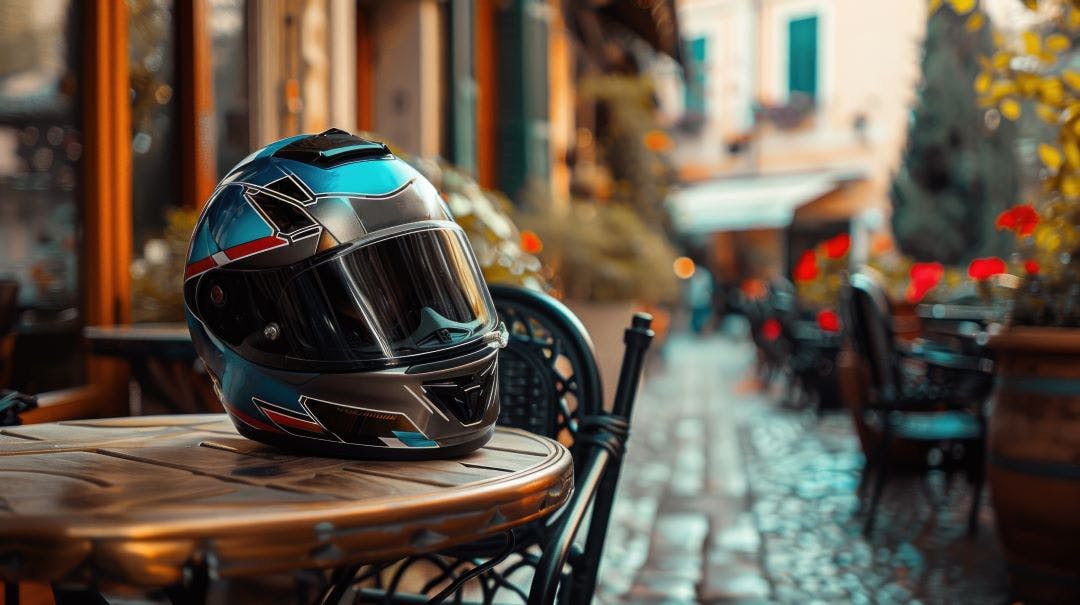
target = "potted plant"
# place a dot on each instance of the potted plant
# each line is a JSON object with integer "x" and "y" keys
{"x": 1034, "y": 441}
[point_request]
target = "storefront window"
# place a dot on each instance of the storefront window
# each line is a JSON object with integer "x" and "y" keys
{"x": 154, "y": 121}
{"x": 40, "y": 157}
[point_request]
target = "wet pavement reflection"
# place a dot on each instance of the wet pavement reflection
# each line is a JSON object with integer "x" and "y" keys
{"x": 728, "y": 498}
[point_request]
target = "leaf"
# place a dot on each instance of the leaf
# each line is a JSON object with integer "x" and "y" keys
{"x": 1010, "y": 108}
{"x": 1047, "y": 113}
{"x": 1003, "y": 88}
{"x": 975, "y": 22}
{"x": 1032, "y": 43}
{"x": 1057, "y": 43}
{"x": 1052, "y": 90}
{"x": 962, "y": 7}
{"x": 1072, "y": 78}
{"x": 1050, "y": 156}
{"x": 982, "y": 83}
{"x": 934, "y": 6}
{"x": 1001, "y": 60}
{"x": 1072, "y": 154}
{"x": 1031, "y": 4}
{"x": 1073, "y": 20}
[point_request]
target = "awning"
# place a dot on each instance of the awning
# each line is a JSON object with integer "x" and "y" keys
{"x": 598, "y": 23}
{"x": 748, "y": 202}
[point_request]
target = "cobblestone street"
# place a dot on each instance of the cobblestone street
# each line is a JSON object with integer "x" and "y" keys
{"x": 726, "y": 497}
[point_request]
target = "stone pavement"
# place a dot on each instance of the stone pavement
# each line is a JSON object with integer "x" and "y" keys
{"x": 727, "y": 498}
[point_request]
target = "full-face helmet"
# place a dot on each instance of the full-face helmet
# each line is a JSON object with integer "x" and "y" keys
{"x": 339, "y": 309}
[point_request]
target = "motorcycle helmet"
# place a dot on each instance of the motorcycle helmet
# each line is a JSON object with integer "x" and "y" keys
{"x": 339, "y": 309}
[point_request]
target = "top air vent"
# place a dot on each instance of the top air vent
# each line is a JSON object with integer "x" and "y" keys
{"x": 331, "y": 148}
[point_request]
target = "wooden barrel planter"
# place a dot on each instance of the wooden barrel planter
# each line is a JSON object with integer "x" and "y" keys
{"x": 1034, "y": 461}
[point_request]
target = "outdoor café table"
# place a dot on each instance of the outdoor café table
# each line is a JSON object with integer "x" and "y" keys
{"x": 962, "y": 328}
{"x": 148, "y": 501}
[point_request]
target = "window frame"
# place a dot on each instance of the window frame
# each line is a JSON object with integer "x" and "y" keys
{"x": 105, "y": 196}
{"x": 794, "y": 10}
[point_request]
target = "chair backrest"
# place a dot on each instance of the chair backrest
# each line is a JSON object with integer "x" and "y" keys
{"x": 548, "y": 377}
{"x": 868, "y": 317}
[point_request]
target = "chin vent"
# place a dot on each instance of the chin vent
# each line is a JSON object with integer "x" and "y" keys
{"x": 465, "y": 397}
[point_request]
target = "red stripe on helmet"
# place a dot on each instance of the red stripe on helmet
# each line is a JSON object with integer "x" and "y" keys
{"x": 248, "y": 420}
{"x": 258, "y": 245}
{"x": 289, "y": 421}
{"x": 199, "y": 266}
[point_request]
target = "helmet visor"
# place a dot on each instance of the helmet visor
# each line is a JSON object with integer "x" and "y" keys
{"x": 401, "y": 296}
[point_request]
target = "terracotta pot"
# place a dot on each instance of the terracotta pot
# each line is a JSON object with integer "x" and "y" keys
{"x": 905, "y": 319}
{"x": 1034, "y": 462}
{"x": 605, "y": 322}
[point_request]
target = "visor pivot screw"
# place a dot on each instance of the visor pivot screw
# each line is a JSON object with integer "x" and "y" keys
{"x": 272, "y": 331}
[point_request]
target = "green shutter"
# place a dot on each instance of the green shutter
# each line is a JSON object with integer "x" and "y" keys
{"x": 802, "y": 56}
{"x": 695, "y": 84}
{"x": 462, "y": 115}
{"x": 522, "y": 120}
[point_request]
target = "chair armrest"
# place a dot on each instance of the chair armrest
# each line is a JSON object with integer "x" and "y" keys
{"x": 557, "y": 550}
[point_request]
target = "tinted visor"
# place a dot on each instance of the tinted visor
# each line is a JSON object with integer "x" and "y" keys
{"x": 406, "y": 295}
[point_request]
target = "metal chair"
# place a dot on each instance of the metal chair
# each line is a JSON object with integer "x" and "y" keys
{"x": 549, "y": 384}
{"x": 911, "y": 406}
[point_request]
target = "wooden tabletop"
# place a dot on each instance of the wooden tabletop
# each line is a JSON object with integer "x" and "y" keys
{"x": 136, "y": 499}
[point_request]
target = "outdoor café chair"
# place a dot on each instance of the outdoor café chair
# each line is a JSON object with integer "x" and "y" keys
{"x": 548, "y": 384}
{"x": 908, "y": 406}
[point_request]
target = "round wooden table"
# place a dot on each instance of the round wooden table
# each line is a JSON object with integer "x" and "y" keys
{"x": 139, "y": 500}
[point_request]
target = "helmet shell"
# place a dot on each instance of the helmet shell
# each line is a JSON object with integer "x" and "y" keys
{"x": 337, "y": 307}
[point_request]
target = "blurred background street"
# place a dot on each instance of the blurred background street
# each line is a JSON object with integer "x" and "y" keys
{"x": 728, "y": 498}
{"x": 837, "y": 212}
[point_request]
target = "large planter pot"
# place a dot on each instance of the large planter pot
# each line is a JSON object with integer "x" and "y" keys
{"x": 605, "y": 322}
{"x": 1034, "y": 462}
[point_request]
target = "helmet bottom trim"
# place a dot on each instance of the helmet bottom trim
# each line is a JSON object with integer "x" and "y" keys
{"x": 327, "y": 449}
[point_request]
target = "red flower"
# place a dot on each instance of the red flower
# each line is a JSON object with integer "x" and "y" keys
{"x": 1021, "y": 219}
{"x": 985, "y": 268}
{"x": 924, "y": 277}
{"x": 530, "y": 242}
{"x": 837, "y": 247}
{"x": 828, "y": 320}
{"x": 1031, "y": 267}
{"x": 806, "y": 269}
{"x": 770, "y": 329}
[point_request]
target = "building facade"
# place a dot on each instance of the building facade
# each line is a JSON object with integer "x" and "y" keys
{"x": 795, "y": 114}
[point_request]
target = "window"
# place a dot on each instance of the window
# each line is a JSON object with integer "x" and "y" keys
{"x": 695, "y": 83}
{"x": 803, "y": 56}
{"x": 41, "y": 149}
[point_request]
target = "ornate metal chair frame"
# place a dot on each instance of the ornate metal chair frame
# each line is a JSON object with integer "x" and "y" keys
{"x": 934, "y": 414}
{"x": 550, "y": 385}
